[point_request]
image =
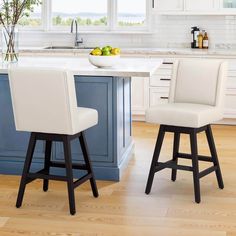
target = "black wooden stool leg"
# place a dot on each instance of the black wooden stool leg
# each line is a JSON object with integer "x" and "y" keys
{"x": 28, "y": 161}
{"x": 194, "y": 153}
{"x": 69, "y": 174}
{"x": 155, "y": 158}
{"x": 175, "y": 153}
{"x": 48, "y": 151}
{"x": 214, "y": 156}
{"x": 84, "y": 148}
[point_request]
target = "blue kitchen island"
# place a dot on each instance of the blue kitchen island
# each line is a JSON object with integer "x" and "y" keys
{"x": 106, "y": 90}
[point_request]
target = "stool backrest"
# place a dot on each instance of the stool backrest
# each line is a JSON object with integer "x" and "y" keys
{"x": 200, "y": 81}
{"x": 44, "y": 100}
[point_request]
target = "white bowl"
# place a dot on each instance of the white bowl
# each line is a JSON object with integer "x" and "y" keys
{"x": 104, "y": 61}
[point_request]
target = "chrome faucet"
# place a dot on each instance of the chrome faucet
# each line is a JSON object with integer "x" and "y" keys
{"x": 77, "y": 40}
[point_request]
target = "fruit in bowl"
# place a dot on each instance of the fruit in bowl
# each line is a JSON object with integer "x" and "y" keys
{"x": 104, "y": 57}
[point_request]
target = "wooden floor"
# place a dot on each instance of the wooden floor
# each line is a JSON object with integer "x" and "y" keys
{"x": 123, "y": 208}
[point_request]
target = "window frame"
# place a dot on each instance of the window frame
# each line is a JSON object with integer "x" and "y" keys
{"x": 112, "y": 26}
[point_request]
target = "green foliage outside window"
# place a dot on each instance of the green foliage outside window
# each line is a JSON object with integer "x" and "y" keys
{"x": 59, "y": 21}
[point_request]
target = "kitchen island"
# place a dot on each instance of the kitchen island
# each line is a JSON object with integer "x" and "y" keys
{"x": 106, "y": 90}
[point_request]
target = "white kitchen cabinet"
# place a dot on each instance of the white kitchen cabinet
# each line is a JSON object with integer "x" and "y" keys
{"x": 201, "y": 5}
{"x": 168, "y": 5}
{"x": 140, "y": 96}
{"x": 191, "y": 7}
{"x": 160, "y": 85}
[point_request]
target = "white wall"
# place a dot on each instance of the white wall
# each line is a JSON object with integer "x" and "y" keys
{"x": 166, "y": 31}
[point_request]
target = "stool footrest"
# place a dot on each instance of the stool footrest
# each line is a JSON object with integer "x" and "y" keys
{"x": 62, "y": 165}
{"x": 30, "y": 178}
{"x": 43, "y": 175}
{"x": 82, "y": 179}
{"x": 189, "y": 156}
{"x": 207, "y": 171}
{"x": 171, "y": 165}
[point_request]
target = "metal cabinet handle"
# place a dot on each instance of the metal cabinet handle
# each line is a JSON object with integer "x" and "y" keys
{"x": 164, "y": 97}
{"x": 167, "y": 63}
{"x": 164, "y": 79}
{"x": 153, "y": 3}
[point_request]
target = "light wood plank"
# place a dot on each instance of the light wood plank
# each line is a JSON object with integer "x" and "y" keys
{"x": 123, "y": 208}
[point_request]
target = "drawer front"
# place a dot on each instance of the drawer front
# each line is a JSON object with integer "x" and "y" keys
{"x": 160, "y": 80}
{"x": 158, "y": 96}
{"x": 162, "y": 76}
{"x": 166, "y": 65}
{"x": 163, "y": 71}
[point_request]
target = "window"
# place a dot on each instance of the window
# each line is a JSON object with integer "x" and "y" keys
{"x": 131, "y": 12}
{"x": 90, "y": 14}
{"x": 87, "y": 12}
{"x": 35, "y": 18}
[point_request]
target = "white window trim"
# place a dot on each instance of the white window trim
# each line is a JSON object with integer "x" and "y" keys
{"x": 111, "y": 17}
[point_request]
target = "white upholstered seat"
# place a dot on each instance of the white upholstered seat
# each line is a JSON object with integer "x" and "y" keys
{"x": 196, "y": 95}
{"x": 183, "y": 114}
{"x": 44, "y": 100}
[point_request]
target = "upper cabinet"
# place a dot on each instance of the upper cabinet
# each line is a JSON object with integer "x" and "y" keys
{"x": 168, "y": 5}
{"x": 200, "y": 5}
{"x": 195, "y": 7}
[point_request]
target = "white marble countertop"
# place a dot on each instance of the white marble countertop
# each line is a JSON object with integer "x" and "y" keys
{"x": 126, "y": 67}
{"x": 141, "y": 51}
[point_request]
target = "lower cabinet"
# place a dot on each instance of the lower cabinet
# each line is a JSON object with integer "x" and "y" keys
{"x": 140, "y": 96}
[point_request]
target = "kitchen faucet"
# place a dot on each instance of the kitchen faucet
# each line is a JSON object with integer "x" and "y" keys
{"x": 77, "y": 40}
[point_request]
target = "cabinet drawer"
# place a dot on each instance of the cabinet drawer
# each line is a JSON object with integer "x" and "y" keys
{"x": 166, "y": 65}
{"x": 158, "y": 96}
{"x": 163, "y": 71}
{"x": 160, "y": 80}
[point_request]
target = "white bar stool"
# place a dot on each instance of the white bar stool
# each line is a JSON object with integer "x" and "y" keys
{"x": 44, "y": 103}
{"x": 195, "y": 101}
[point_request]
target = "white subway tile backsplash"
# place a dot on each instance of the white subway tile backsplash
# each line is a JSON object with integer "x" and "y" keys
{"x": 167, "y": 31}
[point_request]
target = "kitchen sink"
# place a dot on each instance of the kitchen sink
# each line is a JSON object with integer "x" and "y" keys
{"x": 66, "y": 47}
